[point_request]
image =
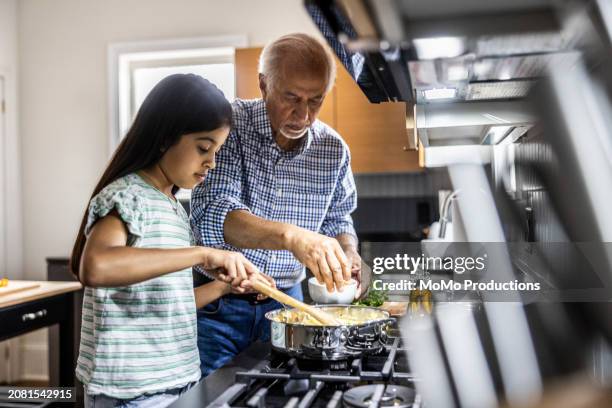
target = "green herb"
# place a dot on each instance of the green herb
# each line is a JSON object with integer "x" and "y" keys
{"x": 375, "y": 298}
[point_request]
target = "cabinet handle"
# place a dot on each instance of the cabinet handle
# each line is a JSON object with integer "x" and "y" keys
{"x": 34, "y": 316}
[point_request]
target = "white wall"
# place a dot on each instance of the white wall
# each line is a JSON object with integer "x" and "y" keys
{"x": 10, "y": 185}
{"x": 63, "y": 96}
{"x": 8, "y": 70}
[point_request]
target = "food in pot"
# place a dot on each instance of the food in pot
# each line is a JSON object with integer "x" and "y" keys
{"x": 346, "y": 315}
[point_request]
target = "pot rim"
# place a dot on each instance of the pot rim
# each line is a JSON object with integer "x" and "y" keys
{"x": 269, "y": 315}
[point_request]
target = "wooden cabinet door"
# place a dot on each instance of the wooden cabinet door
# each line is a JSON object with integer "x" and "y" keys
{"x": 246, "y": 61}
{"x": 247, "y": 82}
{"x": 375, "y": 133}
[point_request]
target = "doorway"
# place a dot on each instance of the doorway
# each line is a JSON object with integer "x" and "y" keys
{"x": 5, "y": 365}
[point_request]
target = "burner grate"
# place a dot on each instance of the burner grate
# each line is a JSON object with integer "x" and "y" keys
{"x": 302, "y": 383}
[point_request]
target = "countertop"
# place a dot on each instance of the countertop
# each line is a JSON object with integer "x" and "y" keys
{"x": 46, "y": 289}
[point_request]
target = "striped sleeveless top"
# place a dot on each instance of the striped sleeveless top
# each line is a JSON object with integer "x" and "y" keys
{"x": 142, "y": 338}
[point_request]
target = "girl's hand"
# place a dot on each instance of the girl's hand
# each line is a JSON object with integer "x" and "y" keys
{"x": 266, "y": 279}
{"x": 245, "y": 286}
{"x": 224, "y": 288}
{"x": 227, "y": 266}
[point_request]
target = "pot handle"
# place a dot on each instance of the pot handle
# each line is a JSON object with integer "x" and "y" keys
{"x": 379, "y": 323}
{"x": 386, "y": 322}
{"x": 385, "y": 327}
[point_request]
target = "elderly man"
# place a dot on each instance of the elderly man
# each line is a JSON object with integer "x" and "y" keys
{"x": 282, "y": 194}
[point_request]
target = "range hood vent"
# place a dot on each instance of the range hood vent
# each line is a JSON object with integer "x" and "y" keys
{"x": 470, "y": 49}
{"x": 471, "y": 123}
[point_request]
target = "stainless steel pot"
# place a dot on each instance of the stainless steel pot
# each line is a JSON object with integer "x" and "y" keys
{"x": 330, "y": 342}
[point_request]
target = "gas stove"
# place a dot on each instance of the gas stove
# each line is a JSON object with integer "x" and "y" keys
{"x": 261, "y": 377}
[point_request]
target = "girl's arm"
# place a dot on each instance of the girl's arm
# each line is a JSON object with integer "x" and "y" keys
{"x": 210, "y": 292}
{"x": 107, "y": 261}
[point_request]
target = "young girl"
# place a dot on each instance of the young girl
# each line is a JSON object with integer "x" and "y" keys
{"x": 134, "y": 252}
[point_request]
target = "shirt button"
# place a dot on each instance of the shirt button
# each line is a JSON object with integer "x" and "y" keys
{"x": 273, "y": 257}
{"x": 279, "y": 192}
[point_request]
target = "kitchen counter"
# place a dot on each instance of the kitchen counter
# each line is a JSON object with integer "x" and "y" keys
{"x": 262, "y": 378}
{"x": 223, "y": 379}
{"x": 46, "y": 289}
{"x": 211, "y": 387}
{"x": 48, "y": 304}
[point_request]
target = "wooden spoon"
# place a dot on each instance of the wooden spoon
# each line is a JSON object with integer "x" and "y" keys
{"x": 320, "y": 315}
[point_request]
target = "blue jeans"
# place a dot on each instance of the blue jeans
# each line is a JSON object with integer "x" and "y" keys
{"x": 229, "y": 325}
{"x": 159, "y": 400}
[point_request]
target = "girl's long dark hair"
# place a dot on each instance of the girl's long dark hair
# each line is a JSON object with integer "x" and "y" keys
{"x": 178, "y": 105}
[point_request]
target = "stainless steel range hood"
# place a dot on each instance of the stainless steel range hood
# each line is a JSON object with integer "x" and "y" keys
{"x": 466, "y": 65}
{"x": 475, "y": 71}
{"x": 485, "y": 123}
{"x": 398, "y": 50}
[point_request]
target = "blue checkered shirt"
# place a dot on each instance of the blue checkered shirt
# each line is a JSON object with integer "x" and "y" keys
{"x": 311, "y": 186}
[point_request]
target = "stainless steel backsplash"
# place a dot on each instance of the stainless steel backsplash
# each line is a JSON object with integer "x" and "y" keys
{"x": 546, "y": 227}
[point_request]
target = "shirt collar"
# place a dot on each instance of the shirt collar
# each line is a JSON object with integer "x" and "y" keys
{"x": 262, "y": 125}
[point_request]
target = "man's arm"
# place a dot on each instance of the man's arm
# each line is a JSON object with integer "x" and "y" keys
{"x": 349, "y": 244}
{"x": 321, "y": 254}
{"x": 220, "y": 219}
{"x": 242, "y": 229}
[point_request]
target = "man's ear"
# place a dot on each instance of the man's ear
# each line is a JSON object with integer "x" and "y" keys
{"x": 262, "y": 86}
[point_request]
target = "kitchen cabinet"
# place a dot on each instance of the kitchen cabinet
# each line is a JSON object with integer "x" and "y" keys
{"x": 45, "y": 305}
{"x": 376, "y": 133}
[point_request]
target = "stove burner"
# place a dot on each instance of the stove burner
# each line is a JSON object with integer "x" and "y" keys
{"x": 295, "y": 387}
{"x": 322, "y": 365}
{"x": 282, "y": 380}
{"x": 386, "y": 395}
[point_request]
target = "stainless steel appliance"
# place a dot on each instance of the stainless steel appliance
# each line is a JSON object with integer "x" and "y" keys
{"x": 367, "y": 335}
{"x": 260, "y": 377}
{"x": 514, "y": 98}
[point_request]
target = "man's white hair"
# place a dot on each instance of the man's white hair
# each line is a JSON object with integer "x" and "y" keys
{"x": 297, "y": 48}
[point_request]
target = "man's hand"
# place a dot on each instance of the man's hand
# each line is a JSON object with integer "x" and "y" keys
{"x": 322, "y": 255}
{"x": 355, "y": 262}
{"x": 349, "y": 243}
{"x": 227, "y": 266}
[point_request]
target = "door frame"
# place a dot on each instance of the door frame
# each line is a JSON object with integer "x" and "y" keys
{"x": 5, "y": 374}
{"x": 11, "y": 252}
{"x": 119, "y": 56}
